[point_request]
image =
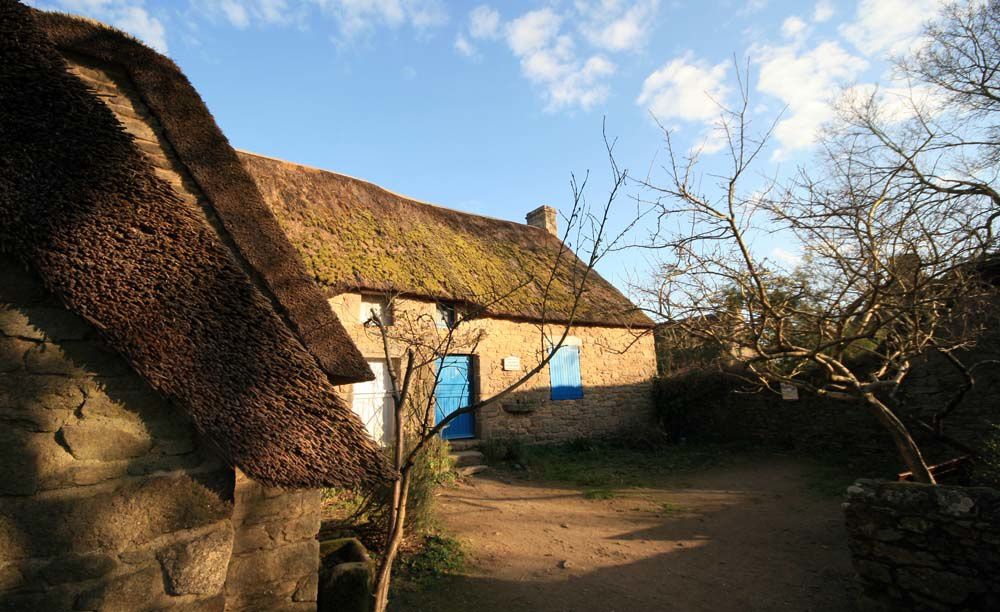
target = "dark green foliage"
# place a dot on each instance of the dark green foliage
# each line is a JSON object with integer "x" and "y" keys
{"x": 436, "y": 556}
{"x": 986, "y": 471}
{"x": 582, "y": 445}
{"x": 510, "y": 450}
{"x": 677, "y": 396}
{"x": 433, "y": 468}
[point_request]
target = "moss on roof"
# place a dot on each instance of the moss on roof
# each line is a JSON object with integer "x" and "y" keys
{"x": 356, "y": 236}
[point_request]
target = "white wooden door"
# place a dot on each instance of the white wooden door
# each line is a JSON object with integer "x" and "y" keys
{"x": 373, "y": 403}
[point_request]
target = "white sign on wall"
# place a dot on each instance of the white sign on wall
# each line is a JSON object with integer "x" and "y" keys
{"x": 512, "y": 364}
{"x": 789, "y": 392}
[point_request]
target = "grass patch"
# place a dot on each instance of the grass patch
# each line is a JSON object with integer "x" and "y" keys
{"x": 435, "y": 557}
{"x": 830, "y": 473}
{"x": 829, "y": 480}
{"x": 599, "y": 494}
{"x": 509, "y": 450}
{"x": 605, "y": 466}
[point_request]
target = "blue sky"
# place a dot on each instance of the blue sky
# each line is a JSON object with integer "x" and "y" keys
{"x": 490, "y": 107}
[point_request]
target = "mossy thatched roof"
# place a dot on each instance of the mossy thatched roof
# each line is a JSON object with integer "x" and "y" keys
{"x": 217, "y": 319}
{"x": 356, "y": 236}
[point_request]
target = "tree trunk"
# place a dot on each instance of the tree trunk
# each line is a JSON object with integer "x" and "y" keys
{"x": 397, "y": 462}
{"x": 905, "y": 444}
{"x": 383, "y": 576}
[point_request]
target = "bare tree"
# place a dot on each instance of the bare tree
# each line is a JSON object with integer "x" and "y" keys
{"x": 423, "y": 340}
{"x": 894, "y": 225}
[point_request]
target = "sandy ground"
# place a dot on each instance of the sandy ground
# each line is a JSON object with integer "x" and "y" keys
{"x": 738, "y": 538}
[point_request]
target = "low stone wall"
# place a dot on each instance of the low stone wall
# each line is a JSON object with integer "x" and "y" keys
{"x": 813, "y": 422}
{"x": 920, "y": 548}
{"x": 275, "y": 563}
{"x": 714, "y": 406}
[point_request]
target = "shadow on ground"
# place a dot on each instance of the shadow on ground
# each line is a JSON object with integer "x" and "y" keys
{"x": 743, "y": 537}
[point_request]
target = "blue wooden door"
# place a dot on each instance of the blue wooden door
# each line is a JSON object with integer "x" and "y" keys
{"x": 564, "y": 374}
{"x": 454, "y": 391}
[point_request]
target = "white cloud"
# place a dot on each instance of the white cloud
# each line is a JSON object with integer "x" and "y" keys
{"x": 243, "y": 13}
{"x": 823, "y": 12}
{"x": 897, "y": 103}
{"x": 564, "y": 48}
{"x": 235, "y": 13}
{"x": 549, "y": 60}
{"x": 691, "y": 90}
{"x": 786, "y": 257}
{"x": 533, "y": 31}
{"x": 889, "y": 26}
{"x": 484, "y": 22}
{"x": 615, "y": 25}
{"x": 793, "y": 27}
{"x": 686, "y": 88}
{"x": 353, "y": 19}
{"x": 806, "y": 81}
{"x": 128, "y": 15}
{"x": 751, "y": 7}
{"x": 359, "y": 18}
{"x": 463, "y": 46}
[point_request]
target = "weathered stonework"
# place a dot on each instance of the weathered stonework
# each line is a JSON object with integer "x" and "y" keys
{"x": 105, "y": 477}
{"x": 275, "y": 560}
{"x": 616, "y": 369}
{"x": 111, "y": 502}
{"x": 921, "y": 548}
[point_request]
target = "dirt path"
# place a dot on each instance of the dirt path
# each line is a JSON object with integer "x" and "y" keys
{"x": 739, "y": 538}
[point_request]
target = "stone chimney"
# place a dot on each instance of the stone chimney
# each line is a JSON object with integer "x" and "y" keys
{"x": 543, "y": 217}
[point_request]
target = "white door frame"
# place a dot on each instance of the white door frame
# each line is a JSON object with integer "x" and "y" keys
{"x": 372, "y": 402}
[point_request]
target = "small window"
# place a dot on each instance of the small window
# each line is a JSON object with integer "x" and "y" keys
{"x": 564, "y": 374}
{"x": 444, "y": 316}
{"x": 379, "y": 306}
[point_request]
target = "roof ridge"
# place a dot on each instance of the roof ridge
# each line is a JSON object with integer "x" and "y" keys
{"x": 391, "y": 192}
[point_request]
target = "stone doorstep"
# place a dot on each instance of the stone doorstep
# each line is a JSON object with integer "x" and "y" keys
{"x": 467, "y": 458}
{"x": 464, "y": 445}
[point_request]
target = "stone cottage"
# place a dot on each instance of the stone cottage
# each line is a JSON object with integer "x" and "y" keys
{"x": 167, "y": 368}
{"x": 369, "y": 248}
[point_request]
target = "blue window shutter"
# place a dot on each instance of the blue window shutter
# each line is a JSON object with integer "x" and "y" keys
{"x": 564, "y": 374}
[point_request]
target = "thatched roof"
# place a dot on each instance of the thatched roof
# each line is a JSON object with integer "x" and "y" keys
{"x": 222, "y": 321}
{"x": 356, "y": 236}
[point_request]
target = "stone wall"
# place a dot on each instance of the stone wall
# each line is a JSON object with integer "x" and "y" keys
{"x": 812, "y": 422}
{"x": 616, "y": 368}
{"x": 109, "y": 501}
{"x": 921, "y": 548}
{"x": 275, "y": 560}
{"x": 714, "y": 406}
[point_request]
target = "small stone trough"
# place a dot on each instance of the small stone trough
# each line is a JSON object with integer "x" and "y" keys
{"x": 346, "y": 575}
